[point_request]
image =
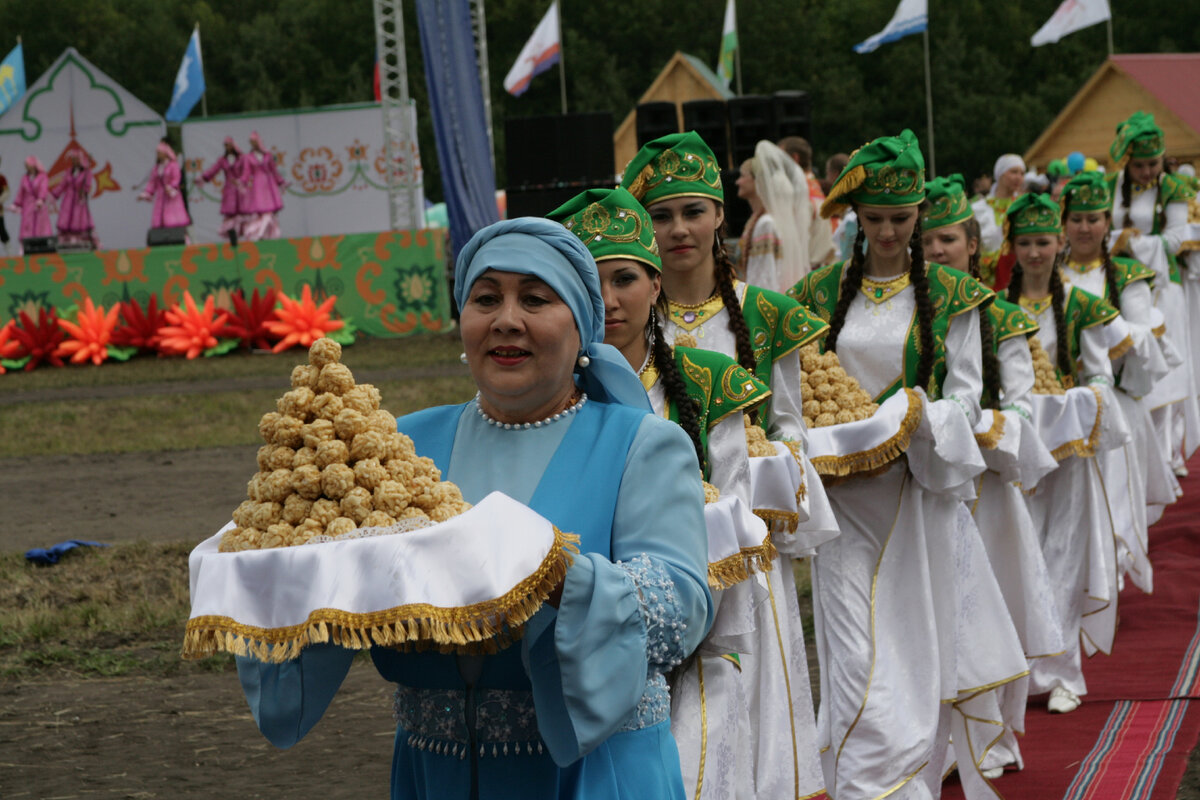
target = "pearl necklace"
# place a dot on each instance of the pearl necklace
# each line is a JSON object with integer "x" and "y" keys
{"x": 511, "y": 426}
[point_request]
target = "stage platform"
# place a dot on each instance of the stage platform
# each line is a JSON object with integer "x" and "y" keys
{"x": 387, "y": 284}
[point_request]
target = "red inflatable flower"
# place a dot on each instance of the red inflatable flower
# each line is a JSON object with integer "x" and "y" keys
{"x": 302, "y": 322}
{"x": 9, "y": 346}
{"x": 39, "y": 340}
{"x": 90, "y": 333}
{"x": 141, "y": 325}
{"x": 249, "y": 320}
{"x": 192, "y": 330}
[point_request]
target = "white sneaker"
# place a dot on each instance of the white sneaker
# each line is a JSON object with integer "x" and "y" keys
{"x": 1062, "y": 700}
{"x": 993, "y": 773}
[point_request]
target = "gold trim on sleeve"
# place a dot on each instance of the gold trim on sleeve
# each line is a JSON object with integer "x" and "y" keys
{"x": 990, "y": 439}
{"x": 1121, "y": 348}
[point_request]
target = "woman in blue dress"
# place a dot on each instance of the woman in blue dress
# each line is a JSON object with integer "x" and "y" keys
{"x": 577, "y": 707}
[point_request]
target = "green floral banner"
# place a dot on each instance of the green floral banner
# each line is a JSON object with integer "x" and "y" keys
{"x": 387, "y": 284}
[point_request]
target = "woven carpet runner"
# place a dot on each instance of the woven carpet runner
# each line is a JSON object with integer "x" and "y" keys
{"x": 1139, "y": 721}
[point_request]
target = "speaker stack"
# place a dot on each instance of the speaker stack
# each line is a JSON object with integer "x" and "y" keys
{"x": 34, "y": 245}
{"x": 551, "y": 159}
{"x": 156, "y": 237}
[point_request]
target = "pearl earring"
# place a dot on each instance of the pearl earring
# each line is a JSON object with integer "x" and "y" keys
{"x": 462, "y": 357}
{"x": 583, "y": 362}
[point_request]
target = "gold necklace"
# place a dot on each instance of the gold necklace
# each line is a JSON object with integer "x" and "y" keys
{"x": 880, "y": 291}
{"x": 691, "y": 316}
{"x": 1037, "y": 306}
{"x": 1084, "y": 267}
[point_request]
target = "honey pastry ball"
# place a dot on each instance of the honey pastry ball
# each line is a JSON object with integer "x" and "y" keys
{"x": 349, "y": 423}
{"x": 317, "y": 431}
{"x": 812, "y": 408}
{"x": 306, "y": 530}
{"x": 817, "y": 377}
{"x": 837, "y": 374}
{"x": 711, "y": 493}
{"x": 845, "y": 415}
{"x": 277, "y": 485}
{"x": 363, "y": 398}
{"x": 829, "y": 406}
{"x": 810, "y": 358}
{"x": 280, "y": 458}
{"x": 369, "y": 473}
{"x": 444, "y": 512}
{"x": 339, "y": 526}
{"x": 412, "y": 512}
{"x": 306, "y": 480}
{"x": 289, "y": 432}
{"x": 369, "y": 444}
{"x": 392, "y": 497}
{"x": 378, "y": 519}
{"x": 357, "y": 504}
{"x": 254, "y": 487}
{"x": 264, "y": 515}
{"x": 824, "y": 391}
{"x": 336, "y": 481}
{"x": 384, "y": 422}
{"x": 426, "y": 467}
{"x": 296, "y": 403}
{"x": 335, "y": 378}
{"x": 824, "y": 419}
{"x": 401, "y": 447}
{"x": 304, "y": 457}
{"x": 296, "y": 509}
{"x": 325, "y": 511}
{"x": 324, "y": 351}
{"x": 401, "y": 469}
{"x": 327, "y": 406}
{"x": 242, "y": 514}
{"x": 263, "y": 456}
{"x": 685, "y": 340}
{"x": 266, "y": 426}
{"x": 333, "y": 451}
{"x": 277, "y": 535}
{"x": 305, "y": 375}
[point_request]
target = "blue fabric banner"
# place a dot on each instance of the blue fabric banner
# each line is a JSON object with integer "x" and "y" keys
{"x": 12, "y": 77}
{"x": 459, "y": 123}
{"x": 189, "y": 82}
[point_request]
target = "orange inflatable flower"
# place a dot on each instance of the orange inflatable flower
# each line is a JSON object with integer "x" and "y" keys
{"x": 9, "y": 347}
{"x": 90, "y": 333}
{"x": 302, "y": 322}
{"x": 192, "y": 330}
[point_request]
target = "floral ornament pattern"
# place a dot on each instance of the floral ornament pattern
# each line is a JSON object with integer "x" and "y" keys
{"x": 124, "y": 266}
{"x": 357, "y": 151}
{"x": 222, "y": 290}
{"x": 317, "y": 169}
{"x": 29, "y": 302}
{"x": 416, "y": 287}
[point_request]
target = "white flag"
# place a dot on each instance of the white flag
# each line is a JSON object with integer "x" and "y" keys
{"x": 539, "y": 54}
{"x": 912, "y": 16}
{"x": 1071, "y": 16}
{"x": 729, "y": 44}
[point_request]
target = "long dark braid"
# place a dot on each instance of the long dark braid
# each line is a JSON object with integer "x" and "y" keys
{"x": 920, "y": 282}
{"x": 723, "y": 272}
{"x": 991, "y": 364}
{"x": 1014, "y": 283}
{"x": 1126, "y": 196}
{"x": 674, "y": 387}
{"x": 1110, "y": 275}
{"x": 1058, "y": 299}
{"x": 851, "y": 283}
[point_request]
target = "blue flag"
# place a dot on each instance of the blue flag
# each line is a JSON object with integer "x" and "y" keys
{"x": 912, "y": 16}
{"x": 189, "y": 82}
{"x": 12, "y": 78}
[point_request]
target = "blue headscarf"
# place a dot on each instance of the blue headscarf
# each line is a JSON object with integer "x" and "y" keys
{"x": 547, "y": 250}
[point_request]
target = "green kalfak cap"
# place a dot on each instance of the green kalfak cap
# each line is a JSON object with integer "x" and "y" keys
{"x": 1032, "y": 213}
{"x": 611, "y": 224}
{"x": 1087, "y": 191}
{"x": 947, "y": 203}
{"x": 675, "y": 165}
{"x": 889, "y": 171}
{"x": 1137, "y": 137}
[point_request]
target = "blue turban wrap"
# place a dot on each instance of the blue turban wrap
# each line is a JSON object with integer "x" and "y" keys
{"x": 546, "y": 250}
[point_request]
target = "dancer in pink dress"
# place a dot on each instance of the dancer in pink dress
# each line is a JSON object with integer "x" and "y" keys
{"x": 163, "y": 189}
{"x": 263, "y": 199}
{"x": 75, "y": 224}
{"x": 235, "y": 165}
{"x": 33, "y": 199}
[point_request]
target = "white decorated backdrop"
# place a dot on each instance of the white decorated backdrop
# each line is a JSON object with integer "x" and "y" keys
{"x": 331, "y": 156}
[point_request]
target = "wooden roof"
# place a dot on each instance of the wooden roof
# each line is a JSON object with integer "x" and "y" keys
{"x": 1166, "y": 85}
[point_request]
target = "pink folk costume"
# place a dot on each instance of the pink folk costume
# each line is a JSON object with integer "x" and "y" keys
{"x": 234, "y": 191}
{"x": 163, "y": 188}
{"x": 263, "y": 199}
{"x": 33, "y": 200}
{"x": 74, "y": 217}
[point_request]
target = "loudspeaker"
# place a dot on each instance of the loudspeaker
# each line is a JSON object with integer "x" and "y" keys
{"x": 39, "y": 244}
{"x": 751, "y": 118}
{"x": 161, "y": 236}
{"x": 737, "y": 210}
{"x": 549, "y": 151}
{"x": 540, "y": 202}
{"x": 655, "y": 120}
{"x": 709, "y": 119}
{"x": 793, "y": 115}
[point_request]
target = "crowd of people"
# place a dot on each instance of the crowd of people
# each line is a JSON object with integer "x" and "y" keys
{"x": 251, "y": 196}
{"x": 1041, "y": 344}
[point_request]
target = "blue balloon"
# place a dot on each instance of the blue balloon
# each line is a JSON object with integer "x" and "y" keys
{"x": 1075, "y": 162}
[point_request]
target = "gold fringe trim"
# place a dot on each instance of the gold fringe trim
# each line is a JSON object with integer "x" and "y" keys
{"x": 1160, "y": 331}
{"x": 1122, "y": 243}
{"x": 1121, "y": 348}
{"x": 834, "y": 202}
{"x": 734, "y": 569}
{"x": 876, "y": 457}
{"x": 1084, "y": 448}
{"x": 480, "y": 627}
{"x": 1188, "y": 246}
{"x": 990, "y": 440}
{"x": 777, "y": 520}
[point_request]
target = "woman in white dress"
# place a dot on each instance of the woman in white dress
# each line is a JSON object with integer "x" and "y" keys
{"x": 774, "y": 245}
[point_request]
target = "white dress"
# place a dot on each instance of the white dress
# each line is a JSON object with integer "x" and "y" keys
{"x": 774, "y": 670}
{"x": 909, "y": 617}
